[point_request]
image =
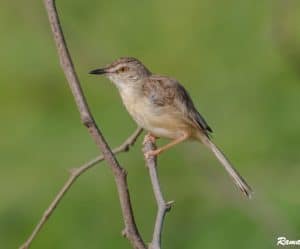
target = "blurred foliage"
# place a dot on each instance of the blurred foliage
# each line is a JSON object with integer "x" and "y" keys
{"x": 240, "y": 60}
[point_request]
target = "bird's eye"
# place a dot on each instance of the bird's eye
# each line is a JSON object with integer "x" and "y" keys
{"x": 123, "y": 69}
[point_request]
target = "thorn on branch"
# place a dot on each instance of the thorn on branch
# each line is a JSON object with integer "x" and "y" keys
{"x": 169, "y": 205}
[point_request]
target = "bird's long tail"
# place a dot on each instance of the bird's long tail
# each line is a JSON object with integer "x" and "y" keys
{"x": 237, "y": 178}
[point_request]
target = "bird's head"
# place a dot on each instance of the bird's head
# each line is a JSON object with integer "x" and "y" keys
{"x": 124, "y": 71}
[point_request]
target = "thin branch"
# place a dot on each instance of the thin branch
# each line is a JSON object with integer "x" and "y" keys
{"x": 162, "y": 205}
{"x": 130, "y": 231}
{"x": 74, "y": 174}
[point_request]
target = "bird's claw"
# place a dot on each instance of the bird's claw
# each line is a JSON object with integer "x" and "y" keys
{"x": 151, "y": 153}
{"x": 149, "y": 137}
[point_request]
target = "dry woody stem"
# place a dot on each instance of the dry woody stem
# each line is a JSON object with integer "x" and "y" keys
{"x": 130, "y": 231}
{"x": 74, "y": 174}
{"x": 162, "y": 206}
{"x": 87, "y": 119}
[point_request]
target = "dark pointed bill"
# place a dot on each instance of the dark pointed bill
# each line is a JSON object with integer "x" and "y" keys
{"x": 98, "y": 71}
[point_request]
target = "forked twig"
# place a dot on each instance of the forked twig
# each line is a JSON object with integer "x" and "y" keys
{"x": 74, "y": 174}
{"x": 162, "y": 205}
{"x": 130, "y": 231}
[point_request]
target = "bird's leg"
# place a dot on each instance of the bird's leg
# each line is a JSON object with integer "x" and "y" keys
{"x": 167, "y": 146}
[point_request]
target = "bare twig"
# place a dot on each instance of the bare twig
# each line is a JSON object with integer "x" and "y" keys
{"x": 130, "y": 231}
{"x": 163, "y": 206}
{"x": 74, "y": 174}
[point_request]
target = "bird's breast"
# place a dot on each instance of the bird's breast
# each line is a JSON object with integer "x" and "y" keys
{"x": 160, "y": 121}
{"x": 136, "y": 106}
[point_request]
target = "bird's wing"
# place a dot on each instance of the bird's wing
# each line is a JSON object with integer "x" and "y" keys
{"x": 164, "y": 91}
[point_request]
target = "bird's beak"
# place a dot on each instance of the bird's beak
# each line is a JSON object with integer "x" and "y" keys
{"x": 98, "y": 71}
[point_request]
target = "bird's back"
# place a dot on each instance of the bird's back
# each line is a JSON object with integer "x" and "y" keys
{"x": 168, "y": 97}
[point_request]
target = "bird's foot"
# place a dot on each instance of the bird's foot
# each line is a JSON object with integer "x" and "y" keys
{"x": 149, "y": 137}
{"x": 151, "y": 153}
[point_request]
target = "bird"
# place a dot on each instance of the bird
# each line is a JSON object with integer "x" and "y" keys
{"x": 164, "y": 109}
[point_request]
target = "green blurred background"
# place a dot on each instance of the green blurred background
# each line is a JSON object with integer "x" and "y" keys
{"x": 240, "y": 60}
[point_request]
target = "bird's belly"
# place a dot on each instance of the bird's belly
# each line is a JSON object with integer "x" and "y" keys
{"x": 159, "y": 121}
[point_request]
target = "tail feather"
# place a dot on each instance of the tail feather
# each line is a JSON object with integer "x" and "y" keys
{"x": 237, "y": 178}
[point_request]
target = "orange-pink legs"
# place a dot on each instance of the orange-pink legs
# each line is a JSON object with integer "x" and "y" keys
{"x": 156, "y": 152}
